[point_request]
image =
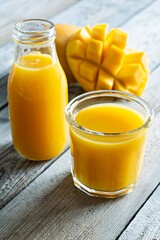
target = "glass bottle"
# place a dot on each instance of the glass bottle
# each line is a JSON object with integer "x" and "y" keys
{"x": 37, "y": 92}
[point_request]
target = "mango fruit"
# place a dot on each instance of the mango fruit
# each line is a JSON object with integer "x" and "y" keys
{"x": 64, "y": 32}
{"x": 99, "y": 59}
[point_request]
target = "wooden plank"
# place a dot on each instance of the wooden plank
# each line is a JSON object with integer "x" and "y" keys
{"x": 3, "y": 96}
{"x": 51, "y": 208}
{"x": 151, "y": 94}
{"x": 3, "y": 92}
{"x": 27, "y": 9}
{"x": 5, "y": 134}
{"x": 114, "y": 12}
{"x": 146, "y": 221}
{"x": 143, "y": 36}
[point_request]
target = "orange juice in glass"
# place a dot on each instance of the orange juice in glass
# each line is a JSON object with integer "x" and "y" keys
{"x": 108, "y": 134}
{"x": 37, "y": 92}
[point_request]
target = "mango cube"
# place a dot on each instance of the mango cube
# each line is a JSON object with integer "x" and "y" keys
{"x": 89, "y": 86}
{"x": 105, "y": 80}
{"x": 76, "y": 49}
{"x": 119, "y": 86}
{"x": 113, "y": 60}
{"x": 137, "y": 57}
{"x": 117, "y": 37}
{"x": 88, "y": 71}
{"x": 138, "y": 91}
{"x": 75, "y": 64}
{"x": 94, "y": 51}
{"x": 88, "y": 29}
{"x": 83, "y": 35}
{"x": 99, "y": 32}
{"x": 131, "y": 74}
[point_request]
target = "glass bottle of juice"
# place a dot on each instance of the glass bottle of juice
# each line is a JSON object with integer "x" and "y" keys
{"x": 37, "y": 92}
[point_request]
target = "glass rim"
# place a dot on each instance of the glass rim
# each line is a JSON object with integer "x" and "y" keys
{"x": 47, "y": 29}
{"x": 114, "y": 93}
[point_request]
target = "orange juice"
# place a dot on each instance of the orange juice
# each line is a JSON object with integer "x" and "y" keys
{"x": 107, "y": 163}
{"x": 37, "y": 94}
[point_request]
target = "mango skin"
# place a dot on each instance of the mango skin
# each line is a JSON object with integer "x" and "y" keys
{"x": 64, "y": 32}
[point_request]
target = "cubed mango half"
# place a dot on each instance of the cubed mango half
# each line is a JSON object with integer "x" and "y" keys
{"x": 100, "y": 60}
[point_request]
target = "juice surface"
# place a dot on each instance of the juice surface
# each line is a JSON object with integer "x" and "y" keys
{"x": 102, "y": 163}
{"x": 37, "y": 94}
{"x": 109, "y": 118}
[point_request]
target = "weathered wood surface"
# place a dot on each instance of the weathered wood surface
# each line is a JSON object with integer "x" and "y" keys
{"x": 50, "y": 207}
{"x": 13, "y": 11}
{"x": 147, "y": 221}
{"x": 3, "y": 92}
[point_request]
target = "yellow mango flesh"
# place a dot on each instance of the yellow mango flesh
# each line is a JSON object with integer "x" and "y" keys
{"x": 113, "y": 60}
{"x": 100, "y": 60}
{"x": 94, "y": 51}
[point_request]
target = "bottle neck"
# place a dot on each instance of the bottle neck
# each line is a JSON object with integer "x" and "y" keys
{"x": 34, "y": 36}
{"x": 34, "y": 31}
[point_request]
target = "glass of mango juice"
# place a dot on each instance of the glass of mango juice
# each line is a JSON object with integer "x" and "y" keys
{"x": 107, "y": 136}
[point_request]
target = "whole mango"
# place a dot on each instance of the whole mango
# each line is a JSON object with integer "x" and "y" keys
{"x": 100, "y": 60}
{"x": 64, "y": 33}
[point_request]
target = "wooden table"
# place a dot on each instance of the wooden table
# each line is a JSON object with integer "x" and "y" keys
{"x": 38, "y": 199}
